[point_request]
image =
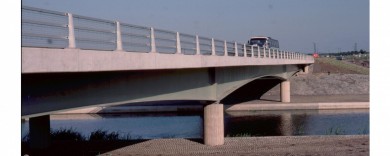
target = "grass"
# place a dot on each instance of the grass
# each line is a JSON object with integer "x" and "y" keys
{"x": 103, "y": 135}
{"x": 240, "y": 135}
{"x": 66, "y": 134}
{"x": 98, "y": 135}
{"x": 300, "y": 130}
{"x": 344, "y": 65}
{"x": 335, "y": 131}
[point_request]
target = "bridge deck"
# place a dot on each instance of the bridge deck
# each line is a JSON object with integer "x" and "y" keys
{"x": 46, "y": 60}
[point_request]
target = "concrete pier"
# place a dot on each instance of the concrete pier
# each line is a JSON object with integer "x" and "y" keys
{"x": 40, "y": 132}
{"x": 306, "y": 69}
{"x": 285, "y": 91}
{"x": 213, "y": 125}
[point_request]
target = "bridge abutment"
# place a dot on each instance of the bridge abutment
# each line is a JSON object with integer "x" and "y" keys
{"x": 39, "y": 132}
{"x": 285, "y": 91}
{"x": 213, "y": 124}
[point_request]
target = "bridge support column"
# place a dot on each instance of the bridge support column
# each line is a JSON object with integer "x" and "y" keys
{"x": 306, "y": 69}
{"x": 285, "y": 91}
{"x": 213, "y": 125}
{"x": 40, "y": 132}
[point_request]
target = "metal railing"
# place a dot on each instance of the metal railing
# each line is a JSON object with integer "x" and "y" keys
{"x": 134, "y": 38}
{"x": 188, "y": 44}
{"x": 51, "y": 29}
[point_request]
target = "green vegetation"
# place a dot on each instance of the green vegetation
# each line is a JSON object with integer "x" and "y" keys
{"x": 335, "y": 131}
{"x": 344, "y": 65}
{"x": 98, "y": 135}
{"x": 240, "y": 135}
{"x": 66, "y": 134}
{"x": 103, "y": 135}
{"x": 300, "y": 130}
{"x": 363, "y": 131}
{"x": 347, "y": 53}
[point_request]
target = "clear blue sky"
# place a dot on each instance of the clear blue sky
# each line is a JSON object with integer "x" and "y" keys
{"x": 331, "y": 24}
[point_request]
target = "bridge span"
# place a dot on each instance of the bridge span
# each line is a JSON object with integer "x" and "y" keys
{"x": 71, "y": 62}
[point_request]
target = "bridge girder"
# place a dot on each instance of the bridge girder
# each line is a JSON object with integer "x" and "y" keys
{"x": 44, "y": 94}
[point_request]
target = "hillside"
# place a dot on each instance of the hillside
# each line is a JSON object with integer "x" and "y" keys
{"x": 344, "y": 78}
{"x": 325, "y": 65}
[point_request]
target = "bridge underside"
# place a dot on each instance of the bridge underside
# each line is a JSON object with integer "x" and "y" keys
{"x": 43, "y": 94}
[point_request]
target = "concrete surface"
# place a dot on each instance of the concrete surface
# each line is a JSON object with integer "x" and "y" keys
{"x": 284, "y": 145}
{"x": 213, "y": 125}
{"x": 304, "y": 102}
{"x": 46, "y": 60}
{"x": 266, "y": 103}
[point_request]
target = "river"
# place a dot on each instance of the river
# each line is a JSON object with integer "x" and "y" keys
{"x": 237, "y": 123}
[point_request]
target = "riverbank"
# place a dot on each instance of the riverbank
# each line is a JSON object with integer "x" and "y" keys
{"x": 298, "y": 102}
{"x": 350, "y": 145}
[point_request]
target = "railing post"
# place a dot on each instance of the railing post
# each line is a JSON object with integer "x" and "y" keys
{"x": 258, "y": 52}
{"x": 71, "y": 36}
{"x": 152, "y": 41}
{"x": 178, "y": 45}
{"x": 212, "y": 47}
{"x": 273, "y": 53}
{"x": 235, "y": 49}
{"x": 225, "y": 48}
{"x": 197, "y": 45}
{"x": 252, "y": 51}
{"x": 264, "y": 52}
{"x": 269, "y": 53}
{"x": 119, "y": 46}
{"x": 245, "y": 50}
{"x": 285, "y": 54}
{"x": 277, "y": 53}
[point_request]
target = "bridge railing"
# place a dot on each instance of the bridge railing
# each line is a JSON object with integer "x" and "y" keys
{"x": 51, "y": 29}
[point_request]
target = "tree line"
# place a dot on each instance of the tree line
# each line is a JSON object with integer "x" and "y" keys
{"x": 361, "y": 51}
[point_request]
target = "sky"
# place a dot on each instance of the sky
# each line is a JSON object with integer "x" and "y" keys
{"x": 333, "y": 25}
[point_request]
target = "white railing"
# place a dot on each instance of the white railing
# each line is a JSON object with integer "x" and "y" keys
{"x": 51, "y": 29}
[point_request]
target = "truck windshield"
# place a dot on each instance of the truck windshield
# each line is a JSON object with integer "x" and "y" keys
{"x": 259, "y": 42}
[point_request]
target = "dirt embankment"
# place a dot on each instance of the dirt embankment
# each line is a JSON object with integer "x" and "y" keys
{"x": 329, "y": 78}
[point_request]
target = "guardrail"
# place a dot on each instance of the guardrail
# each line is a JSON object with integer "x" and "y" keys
{"x": 51, "y": 29}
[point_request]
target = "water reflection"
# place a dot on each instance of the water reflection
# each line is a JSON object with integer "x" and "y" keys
{"x": 300, "y": 122}
{"x": 237, "y": 123}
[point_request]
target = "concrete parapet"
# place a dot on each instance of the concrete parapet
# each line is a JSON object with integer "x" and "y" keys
{"x": 46, "y": 60}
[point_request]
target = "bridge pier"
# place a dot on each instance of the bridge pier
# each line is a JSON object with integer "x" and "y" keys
{"x": 213, "y": 124}
{"x": 285, "y": 91}
{"x": 39, "y": 132}
{"x": 306, "y": 69}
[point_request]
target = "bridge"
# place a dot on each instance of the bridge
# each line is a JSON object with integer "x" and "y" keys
{"x": 72, "y": 62}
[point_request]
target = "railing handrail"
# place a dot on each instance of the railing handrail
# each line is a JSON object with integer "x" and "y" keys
{"x": 217, "y": 47}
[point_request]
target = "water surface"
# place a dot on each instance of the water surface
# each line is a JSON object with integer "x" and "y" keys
{"x": 237, "y": 123}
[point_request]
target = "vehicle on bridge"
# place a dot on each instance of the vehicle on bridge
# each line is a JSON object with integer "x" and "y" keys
{"x": 263, "y": 41}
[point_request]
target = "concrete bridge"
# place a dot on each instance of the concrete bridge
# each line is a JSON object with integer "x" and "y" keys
{"x": 72, "y": 61}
